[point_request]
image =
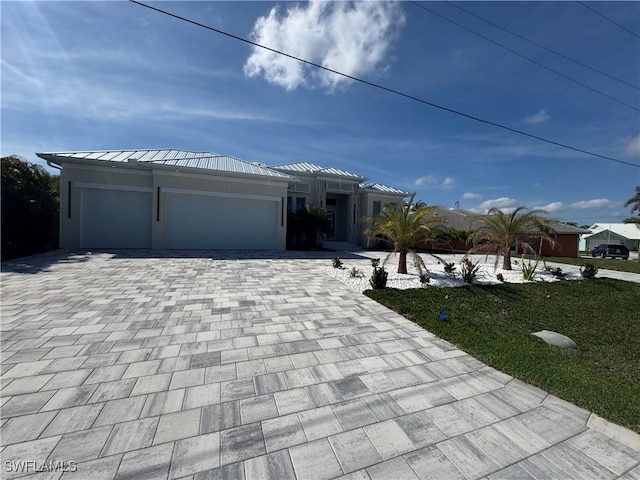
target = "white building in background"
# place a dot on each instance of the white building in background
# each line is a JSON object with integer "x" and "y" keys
{"x": 627, "y": 234}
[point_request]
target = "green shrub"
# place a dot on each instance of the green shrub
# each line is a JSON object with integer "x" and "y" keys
{"x": 337, "y": 263}
{"x": 588, "y": 271}
{"x": 469, "y": 270}
{"x": 500, "y": 277}
{"x": 424, "y": 279}
{"x": 378, "y": 280}
{"x": 355, "y": 272}
{"x": 449, "y": 267}
{"x": 529, "y": 270}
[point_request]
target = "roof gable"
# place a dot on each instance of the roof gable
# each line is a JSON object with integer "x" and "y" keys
{"x": 312, "y": 169}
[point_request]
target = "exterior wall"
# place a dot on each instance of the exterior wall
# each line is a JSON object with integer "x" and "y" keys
{"x": 566, "y": 246}
{"x": 366, "y": 210}
{"x": 159, "y": 182}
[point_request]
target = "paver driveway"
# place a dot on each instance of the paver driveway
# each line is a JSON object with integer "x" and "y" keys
{"x": 227, "y": 365}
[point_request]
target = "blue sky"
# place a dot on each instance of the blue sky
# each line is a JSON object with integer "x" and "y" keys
{"x": 115, "y": 75}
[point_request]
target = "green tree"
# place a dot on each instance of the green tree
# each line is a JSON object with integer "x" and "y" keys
{"x": 30, "y": 208}
{"x": 306, "y": 227}
{"x": 634, "y": 203}
{"x": 499, "y": 231}
{"x": 403, "y": 227}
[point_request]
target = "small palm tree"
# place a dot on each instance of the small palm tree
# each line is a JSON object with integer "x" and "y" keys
{"x": 499, "y": 231}
{"x": 403, "y": 228}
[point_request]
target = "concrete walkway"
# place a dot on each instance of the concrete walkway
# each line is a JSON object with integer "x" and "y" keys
{"x": 259, "y": 366}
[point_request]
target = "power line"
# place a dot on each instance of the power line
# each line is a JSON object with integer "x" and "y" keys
{"x": 609, "y": 19}
{"x": 522, "y": 37}
{"x": 571, "y": 79}
{"x": 386, "y": 89}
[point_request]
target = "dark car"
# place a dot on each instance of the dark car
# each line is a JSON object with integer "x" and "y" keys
{"x": 610, "y": 250}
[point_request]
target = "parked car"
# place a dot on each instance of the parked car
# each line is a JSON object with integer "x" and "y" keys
{"x": 609, "y": 250}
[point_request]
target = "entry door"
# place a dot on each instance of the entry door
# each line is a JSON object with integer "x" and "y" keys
{"x": 331, "y": 215}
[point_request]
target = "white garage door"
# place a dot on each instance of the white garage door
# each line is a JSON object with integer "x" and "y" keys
{"x": 115, "y": 219}
{"x": 211, "y": 222}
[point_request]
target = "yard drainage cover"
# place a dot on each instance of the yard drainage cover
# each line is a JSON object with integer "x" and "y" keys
{"x": 557, "y": 339}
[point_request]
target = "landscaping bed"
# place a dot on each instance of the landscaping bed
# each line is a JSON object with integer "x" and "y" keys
{"x": 631, "y": 266}
{"x": 494, "y": 324}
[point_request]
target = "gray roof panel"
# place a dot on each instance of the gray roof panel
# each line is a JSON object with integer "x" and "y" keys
{"x": 378, "y": 187}
{"x": 209, "y": 161}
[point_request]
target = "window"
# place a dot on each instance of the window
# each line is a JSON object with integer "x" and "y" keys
{"x": 300, "y": 203}
{"x": 376, "y": 209}
{"x": 289, "y": 204}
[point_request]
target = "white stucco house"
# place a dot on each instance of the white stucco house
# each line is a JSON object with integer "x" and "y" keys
{"x": 176, "y": 199}
{"x": 618, "y": 233}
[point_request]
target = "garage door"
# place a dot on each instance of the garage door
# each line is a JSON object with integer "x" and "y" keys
{"x": 115, "y": 219}
{"x": 210, "y": 222}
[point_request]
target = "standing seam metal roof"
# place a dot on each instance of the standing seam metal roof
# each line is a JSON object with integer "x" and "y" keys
{"x": 305, "y": 167}
{"x": 384, "y": 189}
{"x": 179, "y": 158}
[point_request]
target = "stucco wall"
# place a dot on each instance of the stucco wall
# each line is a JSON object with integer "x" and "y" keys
{"x": 159, "y": 183}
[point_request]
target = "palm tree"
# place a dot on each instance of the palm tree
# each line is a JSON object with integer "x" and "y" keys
{"x": 403, "y": 227}
{"x": 634, "y": 202}
{"x": 499, "y": 231}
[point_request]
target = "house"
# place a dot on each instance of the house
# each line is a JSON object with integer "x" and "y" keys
{"x": 176, "y": 199}
{"x": 566, "y": 236}
{"x": 619, "y": 233}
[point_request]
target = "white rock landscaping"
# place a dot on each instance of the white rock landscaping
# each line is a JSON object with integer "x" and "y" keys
{"x": 487, "y": 275}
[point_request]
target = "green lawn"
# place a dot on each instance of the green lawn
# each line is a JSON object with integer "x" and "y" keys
{"x": 494, "y": 323}
{"x": 606, "y": 263}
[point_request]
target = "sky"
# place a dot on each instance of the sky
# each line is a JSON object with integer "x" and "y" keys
{"x": 116, "y": 75}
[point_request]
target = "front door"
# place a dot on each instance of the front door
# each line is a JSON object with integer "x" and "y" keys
{"x": 331, "y": 215}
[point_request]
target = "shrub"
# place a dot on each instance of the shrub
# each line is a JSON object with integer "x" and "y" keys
{"x": 500, "y": 277}
{"x": 355, "y": 273}
{"x": 378, "y": 280}
{"x": 449, "y": 267}
{"x": 337, "y": 263}
{"x": 424, "y": 279}
{"x": 557, "y": 272}
{"x": 469, "y": 270}
{"x": 529, "y": 270}
{"x": 588, "y": 271}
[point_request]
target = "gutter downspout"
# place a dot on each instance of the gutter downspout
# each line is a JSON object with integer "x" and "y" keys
{"x": 53, "y": 165}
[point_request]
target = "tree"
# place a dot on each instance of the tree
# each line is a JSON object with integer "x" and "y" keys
{"x": 30, "y": 208}
{"x": 634, "y": 201}
{"x": 499, "y": 231}
{"x": 403, "y": 227}
{"x": 306, "y": 227}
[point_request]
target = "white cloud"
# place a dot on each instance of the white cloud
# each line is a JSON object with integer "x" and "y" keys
{"x": 424, "y": 180}
{"x": 448, "y": 182}
{"x": 538, "y": 117}
{"x": 505, "y": 204}
{"x": 350, "y": 37}
{"x": 595, "y": 203}
{"x": 632, "y": 145}
{"x": 472, "y": 196}
{"x": 552, "y": 207}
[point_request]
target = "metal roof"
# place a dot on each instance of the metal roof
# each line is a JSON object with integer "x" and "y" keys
{"x": 180, "y": 158}
{"x": 384, "y": 189}
{"x": 310, "y": 168}
{"x": 627, "y": 230}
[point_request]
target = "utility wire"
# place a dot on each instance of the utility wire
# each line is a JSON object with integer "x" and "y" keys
{"x": 571, "y": 79}
{"x": 386, "y": 89}
{"x": 522, "y": 37}
{"x": 610, "y": 20}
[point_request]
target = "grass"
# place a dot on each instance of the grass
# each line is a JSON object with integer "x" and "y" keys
{"x": 494, "y": 324}
{"x": 631, "y": 266}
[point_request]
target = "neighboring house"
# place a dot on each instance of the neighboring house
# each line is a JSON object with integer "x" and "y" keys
{"x": 176, "y": 199}
{"x": 566, "y": 236}
{"x": 618, "y": 233}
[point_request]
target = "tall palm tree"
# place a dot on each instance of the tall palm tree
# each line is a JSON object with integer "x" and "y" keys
{"x": 499, "y": 231}
{"x": 634, "y": 202}
{"x": 403, "y": 227}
